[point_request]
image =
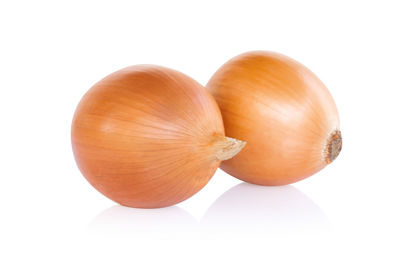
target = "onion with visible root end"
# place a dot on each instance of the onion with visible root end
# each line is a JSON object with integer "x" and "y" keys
{"x": 149, "y": 137}
{"x": 283, "y": 111}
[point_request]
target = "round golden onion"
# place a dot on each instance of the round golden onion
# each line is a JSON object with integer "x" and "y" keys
{"x": 283, "y": 111}
{"x": 149, "y": 137}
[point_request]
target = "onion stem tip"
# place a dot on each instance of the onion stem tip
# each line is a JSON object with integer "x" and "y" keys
{"x": 228, "y": 148}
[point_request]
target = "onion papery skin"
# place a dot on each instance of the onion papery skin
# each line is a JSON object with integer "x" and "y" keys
{"x": 283, "y": 111}
{"x": 147, "y": 136}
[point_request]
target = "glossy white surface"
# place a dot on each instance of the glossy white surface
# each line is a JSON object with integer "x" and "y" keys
{"x": 52, "y": 52}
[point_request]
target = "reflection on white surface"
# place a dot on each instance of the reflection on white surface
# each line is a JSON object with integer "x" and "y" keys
{"x": 170, "y": 222}
{"x": 251, "y": 209}
{"x": 244, "y": 210}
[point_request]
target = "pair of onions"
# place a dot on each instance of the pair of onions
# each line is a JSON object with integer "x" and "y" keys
{"x": 148, "y": 137}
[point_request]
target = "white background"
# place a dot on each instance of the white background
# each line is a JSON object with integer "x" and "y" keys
{"x": 53, "y": 51}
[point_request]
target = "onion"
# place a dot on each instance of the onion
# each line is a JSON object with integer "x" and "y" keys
{"x": 284, "y": 113}
{"x": 149, "y": 137}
